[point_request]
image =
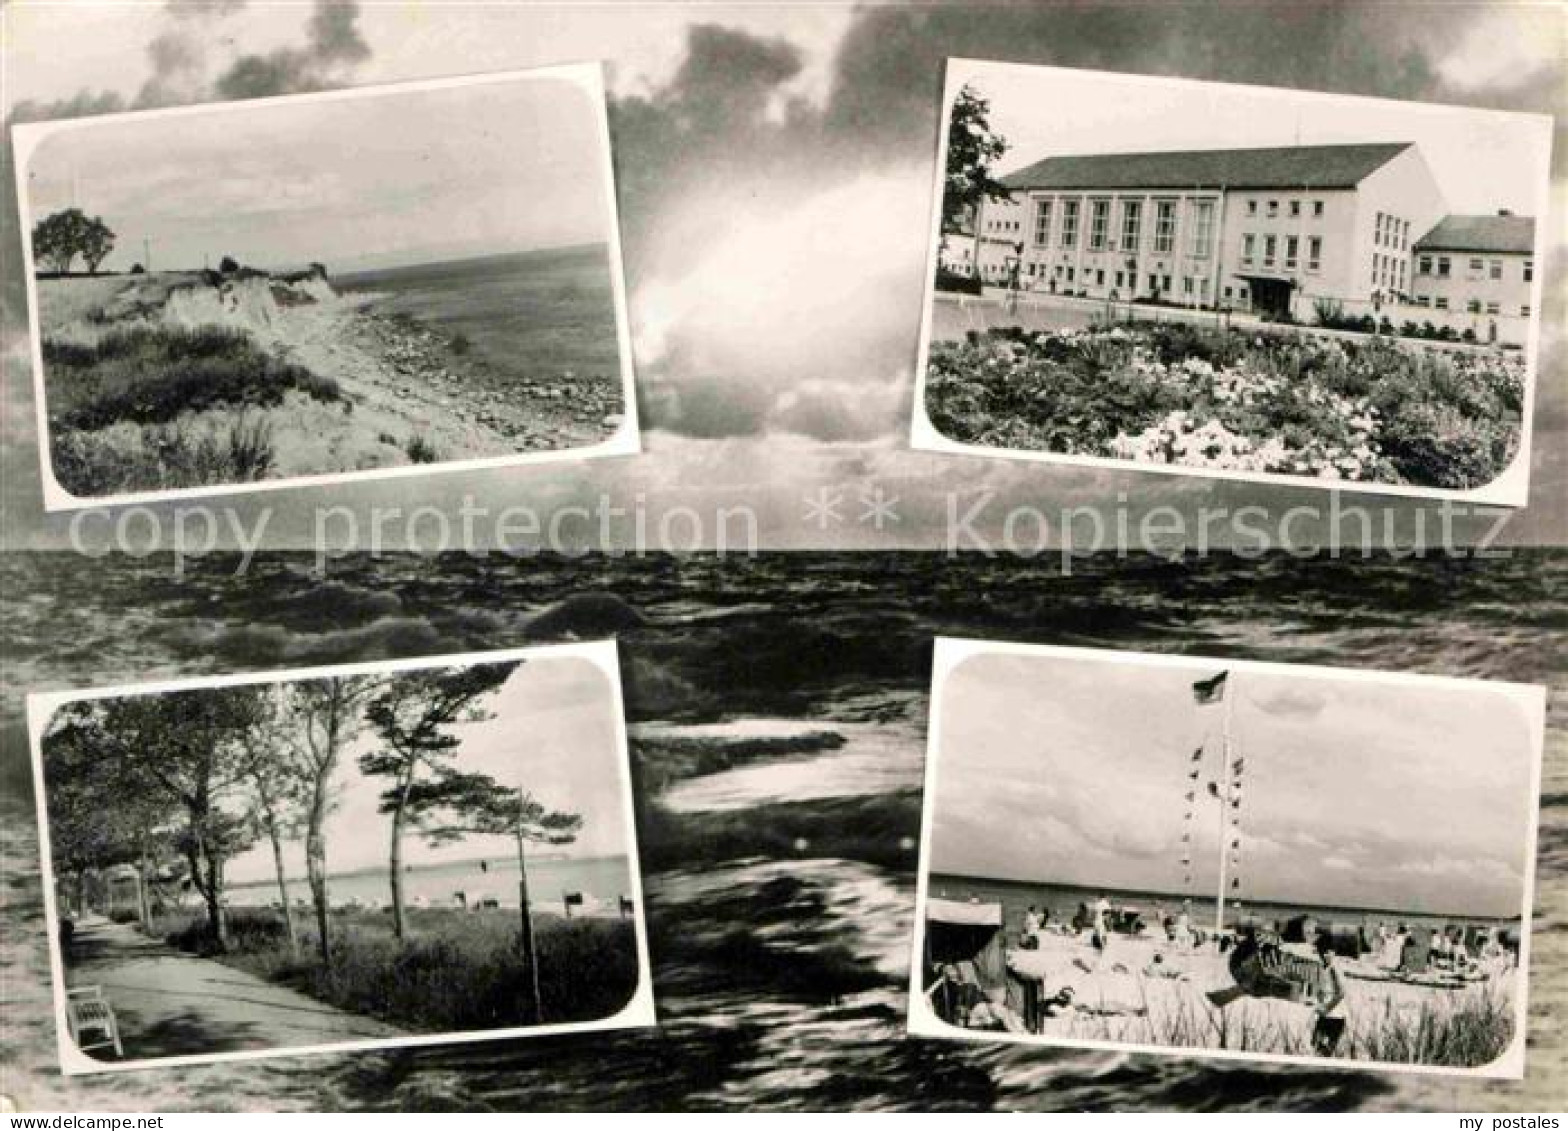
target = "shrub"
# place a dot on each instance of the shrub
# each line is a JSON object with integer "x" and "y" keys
{"x": 152, "y": 375}
{"x": 228, "y": 265}
{"x": 420, "y": 450}
{"x": 1363, "y": 410}
{"x": 89, "y": 464}
{"x": 958, "y": 284}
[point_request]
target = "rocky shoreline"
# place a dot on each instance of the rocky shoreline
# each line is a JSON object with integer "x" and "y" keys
{"x": 540, "y": 412}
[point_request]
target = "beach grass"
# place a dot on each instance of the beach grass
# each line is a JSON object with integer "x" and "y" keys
{"x": 155, "y": 374}
{"x": 122, "y": 409}
{"x": 457, "y": 970}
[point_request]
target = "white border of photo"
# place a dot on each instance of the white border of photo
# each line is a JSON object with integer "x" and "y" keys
{"x": 587, "y": 77}
{"x": 950, "y": 652}
{"x": 639, "y": 1011}
{"x": 1510, "y": 488}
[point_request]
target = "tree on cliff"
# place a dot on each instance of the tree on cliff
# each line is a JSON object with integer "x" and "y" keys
{"x": 61, "y": 236}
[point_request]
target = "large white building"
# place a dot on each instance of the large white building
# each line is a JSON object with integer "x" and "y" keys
{"x": 1294, "y": 229}
{"x": 1477, "y": 273}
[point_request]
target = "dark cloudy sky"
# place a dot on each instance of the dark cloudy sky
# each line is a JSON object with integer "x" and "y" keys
{"x": 1356, "y": 792}
{"x": 774, "y": 171}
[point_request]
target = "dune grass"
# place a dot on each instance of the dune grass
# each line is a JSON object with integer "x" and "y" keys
{"x": 153, "y": 375}
{"x": 119, "y": 409}
{"x": 457, "y": 970}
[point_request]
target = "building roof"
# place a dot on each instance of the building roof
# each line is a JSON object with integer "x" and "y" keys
{"x": 1481, "y": 233}
{"x": 1282, "y": 167}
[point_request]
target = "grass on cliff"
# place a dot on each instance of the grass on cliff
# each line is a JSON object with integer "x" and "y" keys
{"x": 120, "y": 408}
{"x": 153, "y": 375}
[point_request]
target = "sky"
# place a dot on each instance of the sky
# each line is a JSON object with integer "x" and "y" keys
{"x": 553, "y": 732}
{"x": 403, "y": 177}
{"x": 1356, "y": 792}
{"x": 774, "y": 172}
{"x": 1482, "y": 161}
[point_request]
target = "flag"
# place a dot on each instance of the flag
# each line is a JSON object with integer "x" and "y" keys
{"x": 1210, "y": 690}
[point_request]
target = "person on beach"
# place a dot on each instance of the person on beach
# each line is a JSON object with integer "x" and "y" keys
{"x": 1182, "y": 935}
{"x": 1330, "y": 1024}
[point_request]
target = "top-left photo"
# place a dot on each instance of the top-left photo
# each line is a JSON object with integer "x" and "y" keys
{"x": 289, "y": 291}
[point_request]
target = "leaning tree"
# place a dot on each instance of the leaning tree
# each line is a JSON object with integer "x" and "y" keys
{"x": 413, "y": 716}
{"x": 192, "y": 747}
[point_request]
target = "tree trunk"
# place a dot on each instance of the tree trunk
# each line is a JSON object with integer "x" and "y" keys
{"x": 396, "y": 869}
{"x": 525, "y": 934}
{"x": 283, "y": 887}
{"x": 143, "y": 904}
{"x": 316, "y": 876}
{"x": 216, "y": 913}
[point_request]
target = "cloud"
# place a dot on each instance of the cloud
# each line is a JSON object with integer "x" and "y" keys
{"x": 333, "y": 46}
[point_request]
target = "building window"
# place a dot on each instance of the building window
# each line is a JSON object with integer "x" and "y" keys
{"x": 1042, "y": 223}
{"x": 1165, "y": 283}
{"x": 1099, "y": 277}
{"x": 1424, "y": 265}
{"x": 1476, "y": 266}
{"x": 1496, "y": 269}
{"x": 1317, "y": 208}
{"x": 1524, "y": 312}
{"x": 1273, "y": 208}
{"x": 1070, "y": 274}
{"x": 1295, "y": 208}
{"x": 1099, "y": 223}
{"x": 1132, "y": 224}
{"x": 1164, "y": 226}
{"x": 1442, "y": 266}
{"x": 1269, "y": 243}
{"x": 1154, "y": 283}
{"x": 1494, "y": 308}
{"x": 1473, "y": 306}
{"x": 1377, "y": 229}
{"x": 1423, "y": 300}
{"x": 1249, "y": 243}
{"x": 1069, "y": 223}
{"x": 1440, "y": 303}
{"x": 1529, "y": 270}
{"x": 1202, "y": 228}
{"x": 1252, "y": 207}
{"x": 1314, "y": 252}
{"x": 1292, "y": 247}
{"x": 1227, "y": 292}
{"x": 1186, "y": 284}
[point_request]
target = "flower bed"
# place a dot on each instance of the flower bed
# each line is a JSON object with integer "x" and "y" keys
{"x": 1291, "y": 403}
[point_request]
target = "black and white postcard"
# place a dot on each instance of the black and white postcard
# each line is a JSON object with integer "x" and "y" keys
{"x": 288, "y": 290}
{"x": 366, "y": 856}
{"x": 1227, "y": 858}
{"x": 1234, "y": 281}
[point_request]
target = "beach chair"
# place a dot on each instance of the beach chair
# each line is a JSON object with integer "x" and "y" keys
{"x": 86, "y": 1011}
{"x": 1417, "y": 956}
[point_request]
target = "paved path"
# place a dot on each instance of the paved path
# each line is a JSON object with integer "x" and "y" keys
{"x": 170, "y": 1003}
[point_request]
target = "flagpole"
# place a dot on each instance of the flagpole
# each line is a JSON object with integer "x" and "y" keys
{"x": 1229, "y": 694}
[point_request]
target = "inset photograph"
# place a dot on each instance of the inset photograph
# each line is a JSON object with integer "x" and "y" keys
{"x": 360, "y": 857}
{"x": 1234, "y": 281}
{"x": 1227, "y": 858}
{"x": 284, "y": 291}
